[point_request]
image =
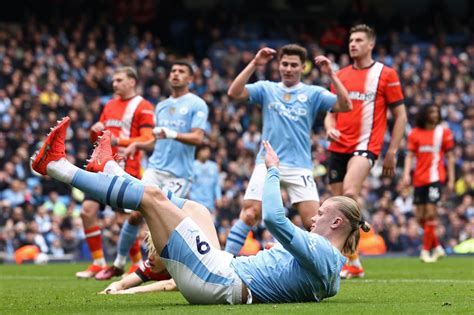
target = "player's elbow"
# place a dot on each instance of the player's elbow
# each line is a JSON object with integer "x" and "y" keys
{"x": 346, "y": 105}
{"x": 232, "y": 93}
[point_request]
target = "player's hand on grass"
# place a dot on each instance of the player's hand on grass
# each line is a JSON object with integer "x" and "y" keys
{"x": 271, "y": 158}
{"x": 264, "y": 55}
{"x": 333, "y": 134}
{"x": 389, "y": 165}
{"x": 324, "y": 65}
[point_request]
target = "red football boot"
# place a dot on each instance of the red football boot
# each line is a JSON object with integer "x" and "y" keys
{"x": 102, "y": 153}
{"x": 53, "y": 148}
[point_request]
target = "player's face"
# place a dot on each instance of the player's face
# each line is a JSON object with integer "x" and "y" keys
{"x": 291, "y": 69}
{"x": 323, "y": 219}
{"x": 122, "y": 85}
{"x": 179, "y": 76}
{"x": 433, "y": 115}
{"x": 359, "y": 45}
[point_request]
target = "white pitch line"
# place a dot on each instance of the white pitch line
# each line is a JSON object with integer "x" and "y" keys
{"x": 9, "y": 277}
{"x": 448, "y": 281}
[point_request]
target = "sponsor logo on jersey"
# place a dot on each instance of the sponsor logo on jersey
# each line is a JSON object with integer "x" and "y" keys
{"x": 113, "y": 123}
{"x": 292, "y": 113}
{"x": 366, "y": 97}
{"x": 178, "y": 123}
{"x": 428, "y": 148}
{"x": 200, "y": 114}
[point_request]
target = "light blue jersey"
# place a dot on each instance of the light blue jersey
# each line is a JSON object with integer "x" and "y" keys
{"x": 304, "y": 267}
{"x": 206, "y": 188}
{"x": 181, "y": 114}
{"x": 288, "y": 115}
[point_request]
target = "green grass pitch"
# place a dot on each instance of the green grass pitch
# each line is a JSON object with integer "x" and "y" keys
{"x": 391, "y": 286}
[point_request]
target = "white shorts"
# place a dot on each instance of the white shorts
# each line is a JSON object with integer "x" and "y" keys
{"x": 202, "y": 273}
{"x": 299, "y": 183}
{"x": 178, "y": 186}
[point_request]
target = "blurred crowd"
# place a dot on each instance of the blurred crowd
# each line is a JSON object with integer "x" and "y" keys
{"x": 48, "y": 72}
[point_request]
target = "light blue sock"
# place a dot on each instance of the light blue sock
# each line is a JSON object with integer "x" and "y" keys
{"x": 236, "y": 238}
{"x": 128, "y": 234}
{"x": 116, "y": 191}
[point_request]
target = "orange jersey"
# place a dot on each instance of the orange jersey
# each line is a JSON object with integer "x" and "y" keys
{"x": 124, "y": 119}
{"x": 429, "y": 147}
{"x": 372, "y": 91}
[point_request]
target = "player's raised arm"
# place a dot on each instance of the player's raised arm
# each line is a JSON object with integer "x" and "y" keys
{"x": 343, "y": 103}
{"x": 272, "y": 205}
{"x": 237, "y": 89}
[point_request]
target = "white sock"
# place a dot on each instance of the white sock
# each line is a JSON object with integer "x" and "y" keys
{"x": 62, "y": 170}
{"x": 100, "y": 262}
{"x": 120, "y": 261}
{"x": 112, "y": 167}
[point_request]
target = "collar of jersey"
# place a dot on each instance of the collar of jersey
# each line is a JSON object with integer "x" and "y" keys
{"x": 177, "y": 98}
{"x": 289, "y": 89}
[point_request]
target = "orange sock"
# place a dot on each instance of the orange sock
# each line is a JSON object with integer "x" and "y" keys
{"x": 94, "y": 240}
{"x": 135, "y": 252}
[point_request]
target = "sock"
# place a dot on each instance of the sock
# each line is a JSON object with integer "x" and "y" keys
{"x": 135, "y": 252}
{"x": 354, "y": 260}
{"x": 118, "y": 192}
{"x": 112, "y": 167}
{"x": 94, "y": 240}
{"x": 128, "y": 234}
{"x": 434, "y": 237}
{"x": 428, "y": 236}
{"x": 236, "y": 238}
{"x": 62, "y": 170}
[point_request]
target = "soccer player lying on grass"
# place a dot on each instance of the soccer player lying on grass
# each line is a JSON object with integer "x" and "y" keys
{"x": 304, "y": 267}
{"x": 151, "y": 269}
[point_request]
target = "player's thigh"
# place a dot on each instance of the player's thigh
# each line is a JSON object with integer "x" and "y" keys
{"x": 153, "y": 177}
{"x": 202, "y": 273}
{"x": 300, "y": 184}
{"x": 358, "y": 169}
{"x": 201, "y": 215}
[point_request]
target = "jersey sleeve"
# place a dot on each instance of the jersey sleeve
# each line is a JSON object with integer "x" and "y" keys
{"x": 200, "y": 115}
{"x": 255, "y": 91}
{"x": 327, "y": 100}
{"x": 146, "y": 115}
{"x": 393, "y": 89}
{"x": 448, "y": 140}
{"x": 411, "y": 142}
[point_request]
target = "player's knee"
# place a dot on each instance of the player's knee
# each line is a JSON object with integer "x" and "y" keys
{"x": 350, "y": 192}
{"x": 250, "y": 215}
{"x": 88, "y": 210}
{"x": 153, "y": 193}
{"x": 135, "y": 218}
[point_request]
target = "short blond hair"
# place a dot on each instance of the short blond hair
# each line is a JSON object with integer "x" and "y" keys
{"x": 130, "y": 72}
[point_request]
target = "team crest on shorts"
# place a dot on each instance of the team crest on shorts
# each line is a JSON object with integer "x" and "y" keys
{"x": 287, "y": 97}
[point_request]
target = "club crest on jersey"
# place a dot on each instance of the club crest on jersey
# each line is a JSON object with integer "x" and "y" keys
{"x": 302, "y": 97}
{"x": 184, "y": 111}
{"x": 287, "y": 97}
{"x": 171, "y": 110}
